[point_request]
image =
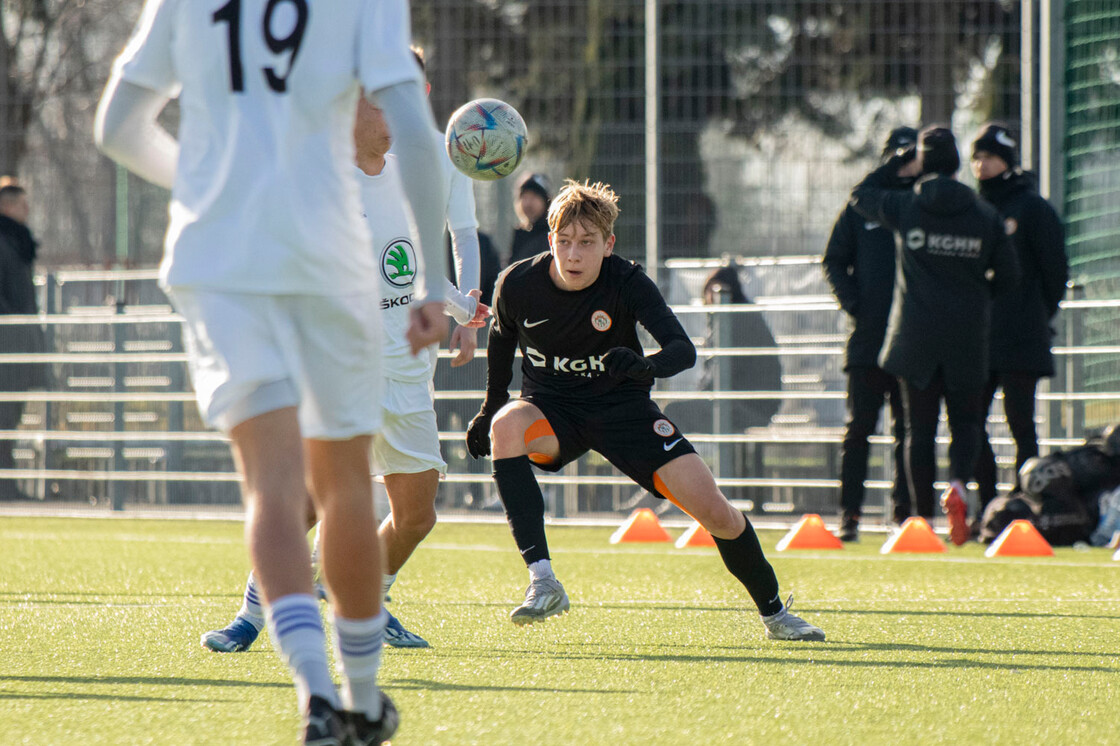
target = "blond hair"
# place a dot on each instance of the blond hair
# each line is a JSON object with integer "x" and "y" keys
{"x": 593, "y": 204}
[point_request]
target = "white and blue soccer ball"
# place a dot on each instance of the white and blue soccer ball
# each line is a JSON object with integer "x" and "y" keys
{"x": 486, "y": 139}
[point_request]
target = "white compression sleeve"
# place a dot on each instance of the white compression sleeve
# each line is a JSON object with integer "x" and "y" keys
{"x": 125, "y": 129}
{"x": 421, "y": 169}
{"x": 459, "y": 305}
{"x": 464, "y": 247}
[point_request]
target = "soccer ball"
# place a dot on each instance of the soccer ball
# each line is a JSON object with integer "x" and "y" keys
{"x": 486, "y": 139}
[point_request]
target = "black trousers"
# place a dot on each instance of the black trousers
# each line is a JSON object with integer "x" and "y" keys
{"x": 10, "y": 413}
{"x": 1018, "y": 405}
{"x": 868, "y": 387}
{"x": 966, "y": 422}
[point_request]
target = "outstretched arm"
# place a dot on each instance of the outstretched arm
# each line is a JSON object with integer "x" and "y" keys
{"x": 422, "y": 175}
{"x": 126, "y": 130}
{"x": 878, "y": 197}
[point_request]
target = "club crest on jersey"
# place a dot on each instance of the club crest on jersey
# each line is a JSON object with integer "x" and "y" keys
{"x": 1010, "y": 226}
{"x": 600, "y": 321}
{"x": 664, "y": 428}
{"x": 398, "y": 263}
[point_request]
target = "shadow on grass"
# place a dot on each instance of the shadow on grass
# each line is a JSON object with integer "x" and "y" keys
{"x": 8, "y": 695}
{"x": 824, "y": 654}
{"x": 958, "y": 613}
{"x": 445, "y": 686}
{"x": 958, "y": 663}
{"x": 100, "y": 598}
{"x": 142, "y": 681}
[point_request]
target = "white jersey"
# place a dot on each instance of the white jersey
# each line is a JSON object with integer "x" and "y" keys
{"x": 394, "y": 251}
{"x": 265, "y": 199}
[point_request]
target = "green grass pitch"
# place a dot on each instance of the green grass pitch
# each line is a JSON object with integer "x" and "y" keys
{"x": 100, "y": 623}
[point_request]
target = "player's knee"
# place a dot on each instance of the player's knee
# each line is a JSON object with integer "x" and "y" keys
{"x": 507, "y": 430}
{"x": 720, "y": 518}
{"x": 416, "y": 524}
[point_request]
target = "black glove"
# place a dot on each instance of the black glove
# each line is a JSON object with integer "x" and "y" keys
{"x": 622, "y": 362}
{"x": 478, "y": 434}
{"x": 900, "y": 159}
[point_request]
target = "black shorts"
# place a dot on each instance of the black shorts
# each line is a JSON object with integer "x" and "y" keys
{"x": 632, "y": 433}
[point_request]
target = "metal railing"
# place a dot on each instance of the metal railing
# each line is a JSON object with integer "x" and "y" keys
{"x": 118, "y": 427}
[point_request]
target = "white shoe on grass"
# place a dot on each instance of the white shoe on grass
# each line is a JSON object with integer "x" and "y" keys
{"x": 786, "y": 626}
{"x": 543, "y": 598}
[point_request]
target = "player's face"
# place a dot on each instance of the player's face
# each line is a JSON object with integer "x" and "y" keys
{"x": 371, "y": 132}
{"x": 578, "y": 251}
{"x": 985, "y": 165}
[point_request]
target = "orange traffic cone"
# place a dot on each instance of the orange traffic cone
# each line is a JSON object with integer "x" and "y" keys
{"x": 642, "y": 525}
{"x": 915, "y": 537}
{"x": 695, "y": 536}
{"x": 1020, "y": 539}
{"x": 809, "y": 533}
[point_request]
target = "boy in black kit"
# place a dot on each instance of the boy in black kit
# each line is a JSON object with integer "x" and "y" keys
{"x": 573, "y": 312}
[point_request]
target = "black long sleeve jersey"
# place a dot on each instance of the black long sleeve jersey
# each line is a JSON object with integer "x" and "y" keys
{"x": 563, "y": 334}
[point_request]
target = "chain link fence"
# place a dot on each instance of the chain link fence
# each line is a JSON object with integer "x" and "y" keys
{"x": 1092, "y": 181}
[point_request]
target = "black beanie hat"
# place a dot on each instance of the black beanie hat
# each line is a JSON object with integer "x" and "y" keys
{"x": 996, "y": 138}
{"x": 899, "y": 139}
{"x": 536, "y": 183}
{"x": 938, "y": 149}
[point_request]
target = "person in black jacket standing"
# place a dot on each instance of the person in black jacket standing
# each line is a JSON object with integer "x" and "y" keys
{"x": 531, "y": 237}
{"x": 859, "y": 266}
{"x": 947, "y": 241}
{"x": 1020, "y": 346}
{"x": 17, "y": 296}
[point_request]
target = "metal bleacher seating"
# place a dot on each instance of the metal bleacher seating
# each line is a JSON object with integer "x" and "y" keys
{"x": 118, "y": 427}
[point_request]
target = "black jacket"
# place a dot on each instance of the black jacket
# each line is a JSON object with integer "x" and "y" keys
{"x": 527, "y": 243}
{"x": 859, "y": 266}
{"x": 17, "y": 296}
{"x": 947, "y": 239}
{"x": 1021, "y": 318}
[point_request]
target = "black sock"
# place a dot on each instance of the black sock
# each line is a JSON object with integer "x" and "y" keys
{"x": 744, "y": 558}
{"x": 524, "y": 504}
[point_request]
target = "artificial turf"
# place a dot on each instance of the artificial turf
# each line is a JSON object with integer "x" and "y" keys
{"x": 100, "y": 623}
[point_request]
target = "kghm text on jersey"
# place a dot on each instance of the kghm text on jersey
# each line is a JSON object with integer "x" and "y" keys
{"x": 584, "y": 366}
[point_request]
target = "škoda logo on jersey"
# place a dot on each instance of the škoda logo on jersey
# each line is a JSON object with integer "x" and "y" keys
{"x": 601, "y": 321}
{"x": 398, "y": 263}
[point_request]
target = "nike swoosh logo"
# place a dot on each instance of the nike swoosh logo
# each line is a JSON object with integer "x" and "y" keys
{"x": 669, "y": 446}
{"x": 531, "y": 324}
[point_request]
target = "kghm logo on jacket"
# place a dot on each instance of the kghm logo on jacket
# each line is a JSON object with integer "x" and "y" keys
{"x": 398, "y": 261}
{"x": 943, "y": 244}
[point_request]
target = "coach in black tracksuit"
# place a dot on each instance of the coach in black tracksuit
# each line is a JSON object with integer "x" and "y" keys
{"x": 938, "y": 332}
{"x": 573, "y": 312}
{"x": 1021, "y": 319}
{"x": 859, "y": 266}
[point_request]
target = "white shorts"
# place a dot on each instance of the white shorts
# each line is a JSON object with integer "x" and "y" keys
{"x": 252, "y": 354}
{"x": 408, "y": 442}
